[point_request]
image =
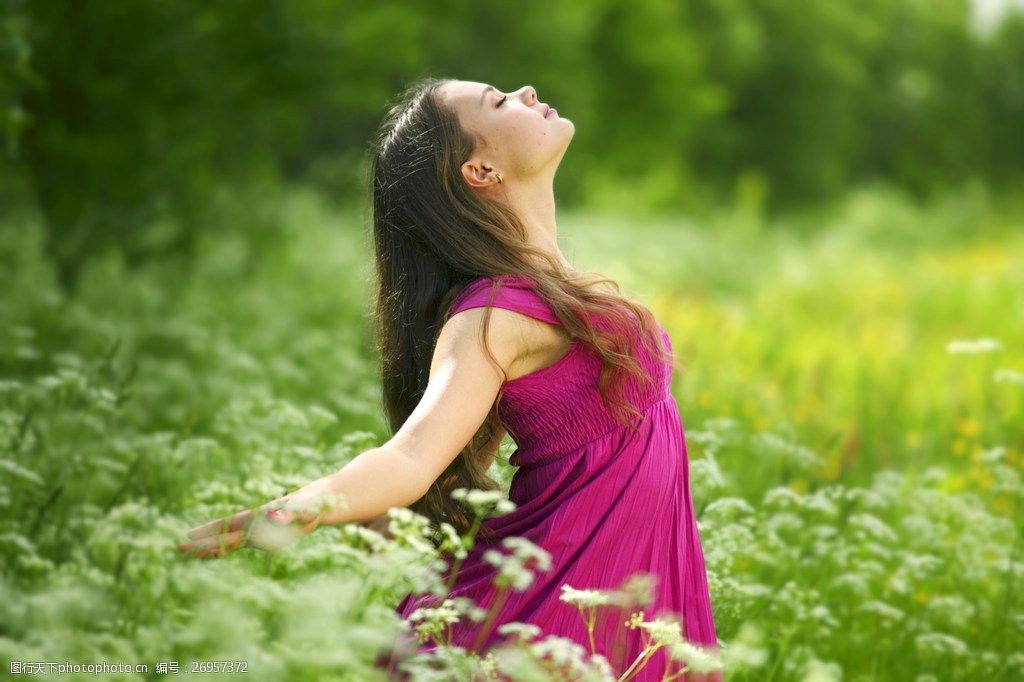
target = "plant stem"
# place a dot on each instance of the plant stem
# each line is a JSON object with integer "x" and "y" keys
{"x": 676, "y": 674}
{"x": 592, "y": 616}
{"x": 781, "y": 655}
{"x": 641, "y": 659}
{"x": 470, "y": 535}
{"x": 638, "y": 663}
{"x": 492, "y": 613}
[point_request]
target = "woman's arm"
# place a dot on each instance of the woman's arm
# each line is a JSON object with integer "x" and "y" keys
{"x": 382, "y": 522}
{"x": 461, "y": 389}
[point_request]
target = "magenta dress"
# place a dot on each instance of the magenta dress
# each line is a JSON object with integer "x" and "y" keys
{"x": 604, "y": 502}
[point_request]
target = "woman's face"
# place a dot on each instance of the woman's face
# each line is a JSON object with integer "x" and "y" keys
{"x": 517, "y": 140}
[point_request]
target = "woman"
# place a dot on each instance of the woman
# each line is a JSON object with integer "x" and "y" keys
{"x": 483, "y": 325}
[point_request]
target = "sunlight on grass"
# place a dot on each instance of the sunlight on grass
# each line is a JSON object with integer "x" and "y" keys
{"x": 853, "y": 402}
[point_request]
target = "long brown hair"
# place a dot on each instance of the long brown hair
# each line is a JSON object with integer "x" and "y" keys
{"x": 432, "y": 236}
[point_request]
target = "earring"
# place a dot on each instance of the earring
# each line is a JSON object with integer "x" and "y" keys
{"x": 499, "y": 177}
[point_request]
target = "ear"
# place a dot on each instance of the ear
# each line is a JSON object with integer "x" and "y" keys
{"x": 477, "y": 174}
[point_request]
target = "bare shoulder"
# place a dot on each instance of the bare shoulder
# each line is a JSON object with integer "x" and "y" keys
{"x": 510, "y": 336}
{"x": 461, "y": 389}
{"x": 520, "y": 343}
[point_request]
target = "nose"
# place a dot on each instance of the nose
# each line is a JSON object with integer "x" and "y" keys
{"x": 529, "y": 95}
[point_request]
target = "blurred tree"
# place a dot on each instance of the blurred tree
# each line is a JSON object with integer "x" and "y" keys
{"x": 146, "y": 105}
{"x": 928, "y": 115}
{"x": 124, "y": 118}
{"x": 1002, "y": 76}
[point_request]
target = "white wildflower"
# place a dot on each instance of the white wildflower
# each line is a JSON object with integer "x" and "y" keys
{"x": 516, "y": 569}
{"x": 852, "y": 583}
{"x": 940, "y": 645}
{"x": 469, "y": 608}
{"x": 996, "y": 454}
{"x": 728, "y": 508}
{"x": 445, "y": 613}
{"x": 489, "y": 666}
{"x": 484, "y": 503}
{"x": 530, "y": 554}
{"x": 868, "y": 525}
{"x": 362, "y": 536}
{"x": 822, "y": 671}
{"x": 697, "y": 658}
{"x": 562, "y": 651}
{"x": 433, "y": 620}
{"x": 951, "y": 608}
{"x": 664, "y": 632}
{"x": 600, "y": 669}
{"x": 746, "y": 651}
{"x": 323, "y": 414}
{"x": 973, "y": 346}
{"x": 584, "y": 598}
{"x": 450, "y": 541}
{"x": 782, "y": 497}
{"x": 521, "y": 631}
{"x": 410, "y": 528}
{"x": 638, "y": 588}
{"x": 1009, "y": 376}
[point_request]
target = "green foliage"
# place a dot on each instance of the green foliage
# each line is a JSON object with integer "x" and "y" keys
{"x": 853, "y": 399}
{"x": 122, "y": 113}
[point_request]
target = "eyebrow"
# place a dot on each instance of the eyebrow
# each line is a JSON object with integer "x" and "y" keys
{"x": 483, "y": 94}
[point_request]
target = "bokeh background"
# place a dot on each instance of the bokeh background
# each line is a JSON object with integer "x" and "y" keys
{"x": 821, "y": 202}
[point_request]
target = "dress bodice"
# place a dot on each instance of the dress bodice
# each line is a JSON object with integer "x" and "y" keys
{"x": 556, "y": 409}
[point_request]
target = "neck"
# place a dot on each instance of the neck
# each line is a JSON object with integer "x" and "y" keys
{"x": 534, "y": 203}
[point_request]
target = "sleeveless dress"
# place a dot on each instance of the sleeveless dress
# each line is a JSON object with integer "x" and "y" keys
{"x": 604, "y": 501}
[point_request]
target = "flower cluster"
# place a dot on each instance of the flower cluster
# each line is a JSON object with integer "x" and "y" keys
{"x": 521, "y": 631}
{"x": 484, "y": 503}
{"x": 450, "y": 542}
{"x": 973, "y": 346}
{"x": 589, "y": 598}
{"x": 431, "y": 621}
{"x": 516, "y": 569}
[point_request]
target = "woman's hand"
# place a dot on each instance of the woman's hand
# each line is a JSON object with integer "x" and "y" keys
{"x": 270, "y": 527}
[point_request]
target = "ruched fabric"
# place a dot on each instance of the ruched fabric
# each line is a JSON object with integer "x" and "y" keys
{"x": 606, "y": 502}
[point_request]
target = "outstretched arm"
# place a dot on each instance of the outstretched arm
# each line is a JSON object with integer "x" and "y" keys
{"x": 381, "y": 522}
{"x": 461, "y": 389}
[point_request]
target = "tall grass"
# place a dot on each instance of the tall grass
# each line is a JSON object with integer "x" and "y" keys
{"x": 852, "y": 397}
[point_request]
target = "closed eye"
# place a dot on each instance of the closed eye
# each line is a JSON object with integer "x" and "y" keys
{"x": 501, "y": 101}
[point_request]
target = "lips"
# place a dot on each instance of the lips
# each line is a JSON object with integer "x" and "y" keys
{"x": 549, "y": 110}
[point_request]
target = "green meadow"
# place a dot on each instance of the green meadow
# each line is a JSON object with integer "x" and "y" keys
{"x": 851, "y": 381}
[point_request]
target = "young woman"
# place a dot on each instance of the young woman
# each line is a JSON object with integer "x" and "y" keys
{"x": 484, "y": 326}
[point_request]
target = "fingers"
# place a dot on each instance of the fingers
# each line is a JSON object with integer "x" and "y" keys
{"x": 269, "y": 527}
{"x": 271, "y": 533}
{"x": 215, "y": 546}
{"x": 227, "y": 524}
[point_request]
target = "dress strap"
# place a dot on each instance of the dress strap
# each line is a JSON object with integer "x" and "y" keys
{"x": 515, "y": 292}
